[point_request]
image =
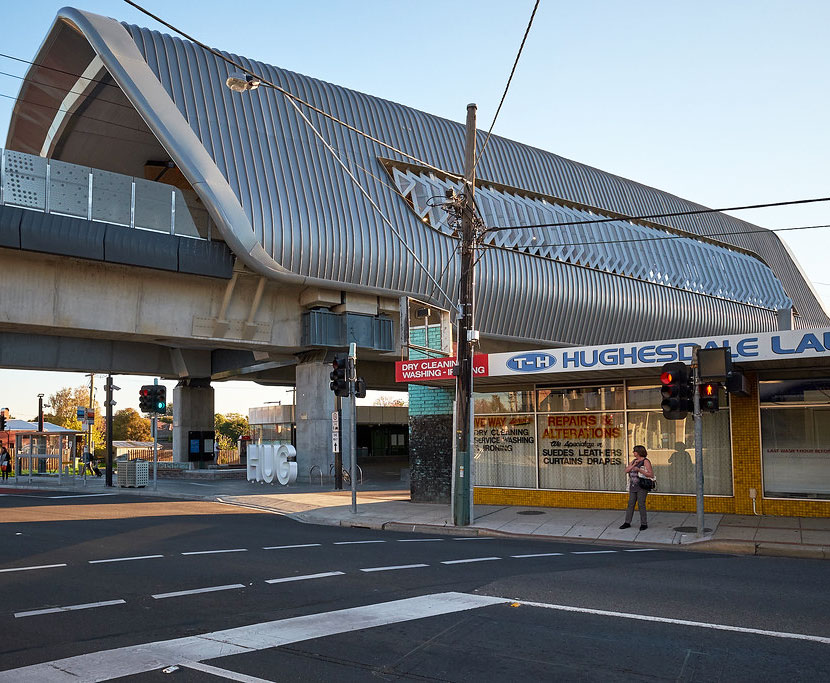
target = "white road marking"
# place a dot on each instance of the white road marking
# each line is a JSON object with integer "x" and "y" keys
{"x": 125, "y": 559}
{"x": 81, "y": 495}
{"x": 680, "y": 622}
{"x": 137, "y": 659}
{"x": 68, "y": 608}
{"x": 473, "y": 559}
{"x": 212, "y": 552}
{"x": 286, "y": 547}
{"x": 25, "y": 569}
{"x": 321, "y": 575}
{"x": 175, "y": 594}
{"x": 418, "y": 540}
{"x": 592, "y": 552}
{"x": 400, "y": 566}
{"x": 223, "y": 673}
{"x": 538, "y": 555}
{"x": 474, "y": 538}
{"x": 640, "y": 550}
{"x": 356, "y": 542}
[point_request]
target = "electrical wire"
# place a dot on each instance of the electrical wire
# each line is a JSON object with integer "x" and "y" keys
{"x": 694, "y": 212}
{"x": 84, "y": 116}
{"x": 68, "y": 92}
{"x": 108, "y": 82}
{"x": 507, "y": 87}
{"x": 291, "y": 96}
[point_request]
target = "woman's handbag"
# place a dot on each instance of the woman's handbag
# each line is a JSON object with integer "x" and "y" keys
{"x": 647, "y": 483}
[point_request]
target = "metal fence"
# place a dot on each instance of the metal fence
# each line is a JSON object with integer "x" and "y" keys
{"x": 52, "y": 186}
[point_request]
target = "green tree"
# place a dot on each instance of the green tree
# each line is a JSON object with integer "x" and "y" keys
{"x": 229, "y": 428}
{"x": 128, "y": 425}
{"x": 63, "y": 411}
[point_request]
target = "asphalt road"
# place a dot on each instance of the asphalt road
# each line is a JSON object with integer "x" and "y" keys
{"x": 224, "y": 592}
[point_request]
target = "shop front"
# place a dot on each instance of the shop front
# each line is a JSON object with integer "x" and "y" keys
{"x": 556, "y": 427}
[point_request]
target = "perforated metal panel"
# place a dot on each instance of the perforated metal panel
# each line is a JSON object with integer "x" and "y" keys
{"x": 111, "y": 196}
{"x": 153, "y": 203}
{"x": 68, "y": 189}
{"x": 25, "y": 180}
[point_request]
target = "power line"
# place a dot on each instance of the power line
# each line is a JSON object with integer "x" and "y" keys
{"x": 623, "y": 217}
{"x": 291, "y": 96}
{"x": 72, "y": 92}
{"x": 83, "y": 116}
{"x": 106, "y": 82}
{"x": 509, "y": 79}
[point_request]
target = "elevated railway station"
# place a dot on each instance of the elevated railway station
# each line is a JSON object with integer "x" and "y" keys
{"x": 179, "y": 229}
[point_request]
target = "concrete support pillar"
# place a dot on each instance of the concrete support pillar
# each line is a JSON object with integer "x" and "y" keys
{"x": 192, "y": 411}
{"x": 315, "y": 404}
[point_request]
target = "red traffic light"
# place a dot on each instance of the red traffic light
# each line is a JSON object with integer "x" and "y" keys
{"x": 667, "y": 378}
{"x": 708, "y": 390}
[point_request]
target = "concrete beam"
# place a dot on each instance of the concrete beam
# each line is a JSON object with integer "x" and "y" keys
{"x": 74, "y": 354}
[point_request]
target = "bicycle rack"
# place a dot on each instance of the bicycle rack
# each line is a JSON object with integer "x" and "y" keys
{"x": 348, "y": 475}
{"x": 311, "y": 471}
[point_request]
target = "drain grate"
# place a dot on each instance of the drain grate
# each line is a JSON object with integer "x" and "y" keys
{"x": 690, "y": 529}
{"x": 531, "y": 512}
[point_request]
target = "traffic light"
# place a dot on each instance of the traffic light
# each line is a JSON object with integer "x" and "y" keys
{"x": 2, "y": 422}
{"x": 677, "y": 389}
{"x": 709, "y": 395}
{"x": 160, "y": 399}
{"x": 145, "y": 398}
{"x": 339, "y": 382}
{"x": 152, "y": 398}
{"x": 360, "y": 388}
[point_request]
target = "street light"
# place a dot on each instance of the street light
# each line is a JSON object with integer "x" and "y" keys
{"x": 241, "y": 84}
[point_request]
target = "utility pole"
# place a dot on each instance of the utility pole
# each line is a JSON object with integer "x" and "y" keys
{"x": 696, "y": 414}
{"x": 110, "y": 387}
{"x": 462, "y": 480}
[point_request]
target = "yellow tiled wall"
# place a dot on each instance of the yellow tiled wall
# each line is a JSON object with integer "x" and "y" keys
{"x": 746, "y": 462}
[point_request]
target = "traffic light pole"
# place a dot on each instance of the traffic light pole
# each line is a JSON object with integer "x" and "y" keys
{"x": 156, "y": 445}
{"x": 462, "y": 479}
{"x": 338, "y": 456}
{"x": 698, "y": 441}
{"x": 352, "y": 369}
{"x": 109, "y": 429}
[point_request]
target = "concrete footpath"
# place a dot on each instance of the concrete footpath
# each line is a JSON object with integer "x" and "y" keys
{"x": 383, "y": 503}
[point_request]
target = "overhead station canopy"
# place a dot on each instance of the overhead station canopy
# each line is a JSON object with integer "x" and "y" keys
{"x": 127, "y": 99}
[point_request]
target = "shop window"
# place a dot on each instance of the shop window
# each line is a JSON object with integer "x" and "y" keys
{"x": 504, "y": 450}
{"x": 520, "y": 401}
{"x": 671, "y": 449}
{"x": 580, "y": 398}
{"x": 795, "y": 438}
{"x": 582, "y": 451}
{"x": 644, "y": 396}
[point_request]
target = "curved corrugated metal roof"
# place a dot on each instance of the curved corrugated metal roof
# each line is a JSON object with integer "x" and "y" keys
{"x": 289, "y": 210}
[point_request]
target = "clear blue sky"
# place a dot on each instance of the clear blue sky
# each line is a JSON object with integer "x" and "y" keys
{"x": 722, "y": 103}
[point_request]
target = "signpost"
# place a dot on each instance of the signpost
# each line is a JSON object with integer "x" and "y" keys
{"x": 335, "y": 431}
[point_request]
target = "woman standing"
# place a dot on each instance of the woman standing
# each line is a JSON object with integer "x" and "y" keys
{"x": 5, "y": 462}
{"x": 636, "y": 493}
